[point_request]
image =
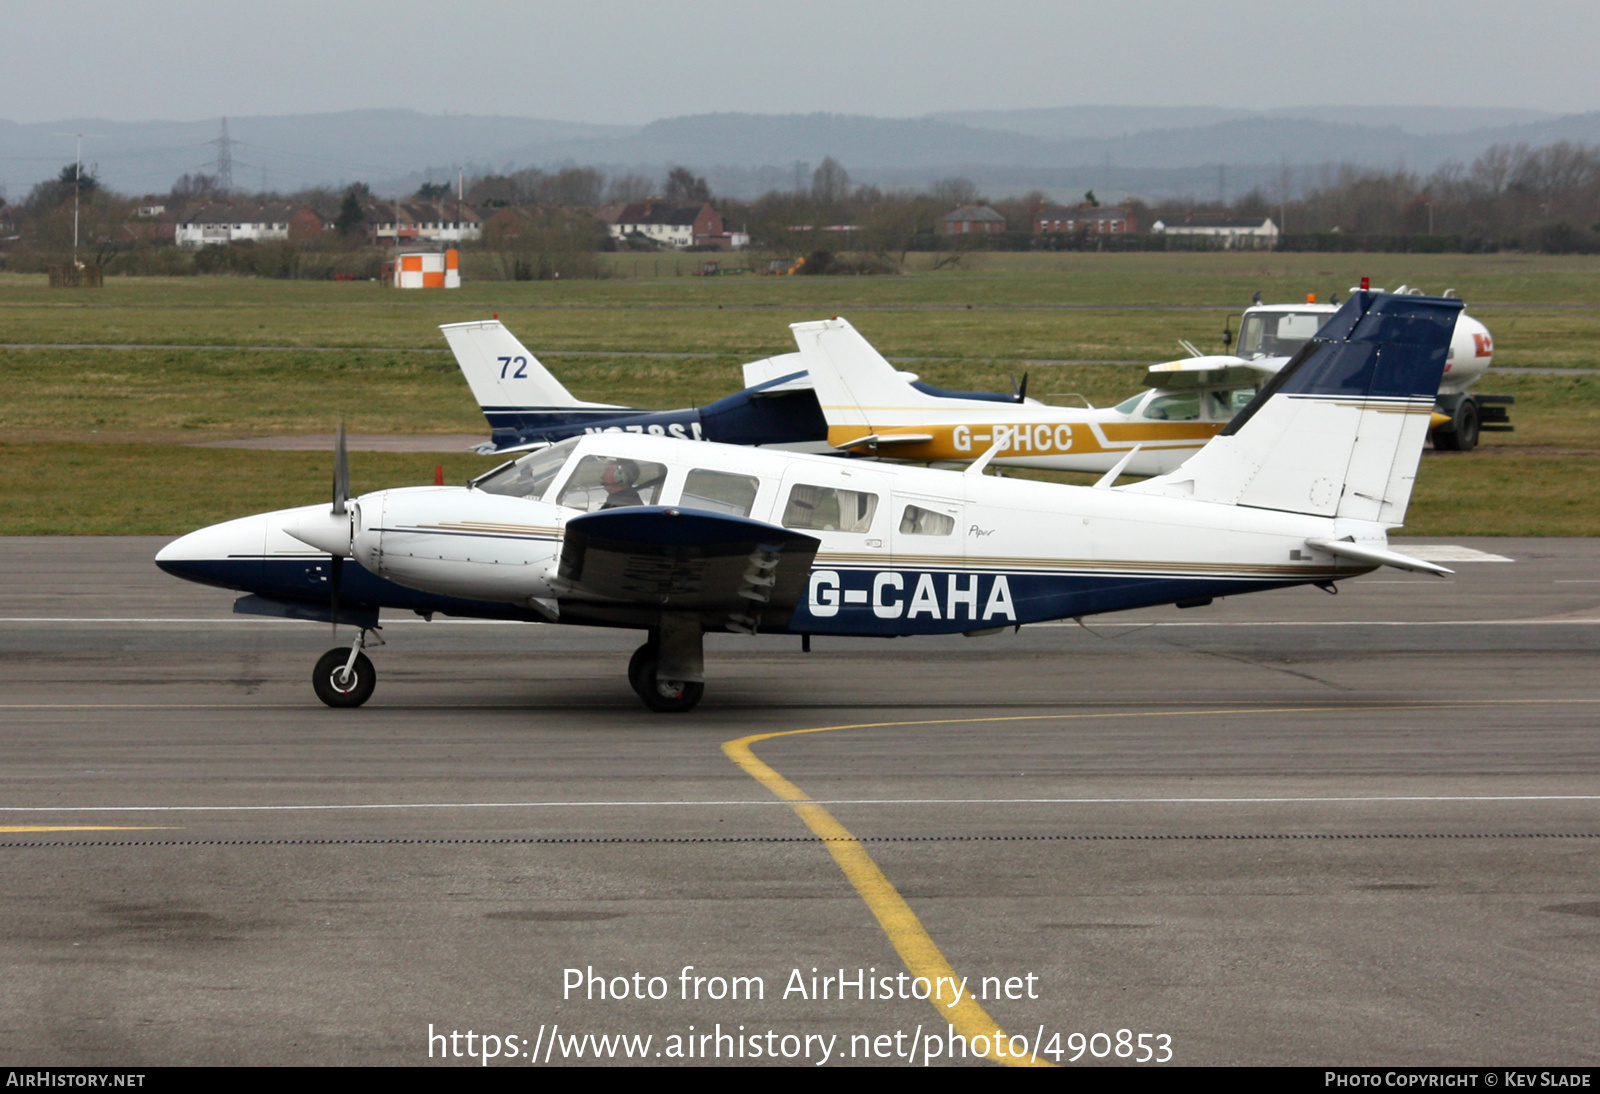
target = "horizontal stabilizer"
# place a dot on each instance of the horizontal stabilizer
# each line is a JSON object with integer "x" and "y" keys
{"x": 1361, "y": 552}
{"x": 686, "y": 559}
{"x": 774, "y": 375}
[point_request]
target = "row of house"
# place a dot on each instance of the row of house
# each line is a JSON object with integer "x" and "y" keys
{"x": 677, "y": 225}
{"x": 660, "y": 223}
{"x": 1095, "y": 220}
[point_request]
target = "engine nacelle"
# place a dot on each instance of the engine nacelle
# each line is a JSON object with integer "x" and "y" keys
{"x": 461, "y": 542}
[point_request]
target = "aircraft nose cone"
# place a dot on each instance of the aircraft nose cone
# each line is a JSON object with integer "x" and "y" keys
{"x": 326, "y": 531}
{"x": 224, "y": 554}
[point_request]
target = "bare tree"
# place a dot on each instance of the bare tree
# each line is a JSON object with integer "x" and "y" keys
{"x": 956, "y": 191}
{"x": 629, "y": 188}
{"x": 830, "y": 183}
{"x": 682, "y": 185}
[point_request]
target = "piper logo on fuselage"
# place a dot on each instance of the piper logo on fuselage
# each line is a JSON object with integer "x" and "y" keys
{"x": 892, "y": 594}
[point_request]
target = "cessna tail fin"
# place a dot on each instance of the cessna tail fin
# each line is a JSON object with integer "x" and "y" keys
{"x": 1338, "y": 431}
{"x": 852, "y": 379}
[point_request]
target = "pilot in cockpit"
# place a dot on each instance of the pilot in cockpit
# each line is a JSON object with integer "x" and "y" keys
{"x": 619, "y": 479}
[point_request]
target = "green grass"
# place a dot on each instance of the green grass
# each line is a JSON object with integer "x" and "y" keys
{"x": 96, "y": 435}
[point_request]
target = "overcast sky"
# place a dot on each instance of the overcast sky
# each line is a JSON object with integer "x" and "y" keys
{"x": 631, "y": 61}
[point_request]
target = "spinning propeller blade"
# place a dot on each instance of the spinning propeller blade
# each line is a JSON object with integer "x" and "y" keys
{"x": 341, "y": 471}
{"x": 341, "y": 494}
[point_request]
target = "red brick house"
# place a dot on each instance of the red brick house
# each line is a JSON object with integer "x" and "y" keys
{"x": 972, "y": 219}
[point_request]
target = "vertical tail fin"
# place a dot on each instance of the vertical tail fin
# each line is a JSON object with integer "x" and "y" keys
{"x": 854, "y": 382}
{"x": 1338, "y": 431}
{"x": 503, "y": 375}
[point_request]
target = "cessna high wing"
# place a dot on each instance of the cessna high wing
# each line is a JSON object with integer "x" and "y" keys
{"x": 528, "y": 408}
{"x": 676, "y": 538}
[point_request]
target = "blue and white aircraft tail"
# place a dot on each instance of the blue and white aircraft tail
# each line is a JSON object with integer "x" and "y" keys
{"x": 1338, "y": 431}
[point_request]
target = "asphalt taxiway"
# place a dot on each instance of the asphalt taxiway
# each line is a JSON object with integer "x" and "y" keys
{"x": 1287, "y": 828}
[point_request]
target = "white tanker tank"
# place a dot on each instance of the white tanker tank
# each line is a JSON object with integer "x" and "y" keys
{"x": 1269, "y": 334}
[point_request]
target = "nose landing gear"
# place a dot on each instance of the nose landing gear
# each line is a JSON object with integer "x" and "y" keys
{"x": 345, "y": 677}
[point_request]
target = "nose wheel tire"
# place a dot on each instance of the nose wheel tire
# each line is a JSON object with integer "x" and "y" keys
{"x": 338, "y": 689}
{"x": 661, "y": 696}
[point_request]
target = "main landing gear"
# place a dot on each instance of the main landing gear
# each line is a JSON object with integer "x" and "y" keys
{"x": 345, "y": 677}
{"x": 665, "y": 696}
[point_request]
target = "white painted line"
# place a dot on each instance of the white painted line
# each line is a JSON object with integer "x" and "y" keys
{"x": 1366, "y": 799}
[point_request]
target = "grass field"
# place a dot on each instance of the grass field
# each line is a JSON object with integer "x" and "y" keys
{"x": 94, "y": 439}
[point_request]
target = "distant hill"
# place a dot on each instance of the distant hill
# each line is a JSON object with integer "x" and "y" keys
{"x": 1154, "y": 152}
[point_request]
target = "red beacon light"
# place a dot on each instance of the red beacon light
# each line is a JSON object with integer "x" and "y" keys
{"x": 1366, "y": 283}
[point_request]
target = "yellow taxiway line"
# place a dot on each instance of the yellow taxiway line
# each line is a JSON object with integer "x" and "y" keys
{"x": 906, "y": 933}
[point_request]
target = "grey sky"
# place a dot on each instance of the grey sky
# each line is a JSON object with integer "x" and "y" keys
{"x": 630, "y": 61}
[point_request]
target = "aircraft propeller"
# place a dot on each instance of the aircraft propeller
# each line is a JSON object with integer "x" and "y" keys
{"x": 1020, "y": 391}
{"x": 333, "y": 531}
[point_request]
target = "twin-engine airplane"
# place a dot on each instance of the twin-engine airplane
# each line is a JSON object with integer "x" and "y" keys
{"x": 676, "y": 538}
{"x": 528, "y": 408}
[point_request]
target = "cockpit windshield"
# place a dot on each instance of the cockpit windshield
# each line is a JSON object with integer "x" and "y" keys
{"x": 529, "y": 476}
{"x": 1277, "y": 334}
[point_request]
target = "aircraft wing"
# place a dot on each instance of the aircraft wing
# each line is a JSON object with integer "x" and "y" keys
{"x": 1190, "y": 372}
{"x": 685, "y": 559}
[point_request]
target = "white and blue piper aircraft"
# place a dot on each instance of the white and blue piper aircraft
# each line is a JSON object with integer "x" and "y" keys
{"x": 677, "y": 538}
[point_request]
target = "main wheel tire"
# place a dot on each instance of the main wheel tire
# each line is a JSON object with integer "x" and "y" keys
{"x": 661, "y": 696}
{"x": 328, "y": 679}
{"x": 1462, "y": 436}
{"x": 1467, "y": 427}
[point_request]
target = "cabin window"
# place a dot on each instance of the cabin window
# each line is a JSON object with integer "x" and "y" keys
{"x": 1128, "y": 406}
{"x": 612, "y": 482}
{"x": 720, "y": 492}
{"x": 824, "y": 509}
{"x": 1179, "y": 407}
{"x": 528, "y": 477}
{"x": 916, "y": 521}
{"x": 1225, "y": 404}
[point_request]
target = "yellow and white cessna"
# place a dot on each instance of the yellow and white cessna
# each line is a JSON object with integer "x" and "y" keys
{"x": 871, "y": 409}
{"x": 676, "y": 538}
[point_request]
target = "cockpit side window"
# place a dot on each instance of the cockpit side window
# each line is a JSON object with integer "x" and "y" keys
{"x": 1223, "y": 405}
{"x": 917, "y": 521}
{"x": 612, "y": 482}
{"x": 527, "y": 477}
{"x": 824, "y": 509}
{"x": 1178, "y": 407}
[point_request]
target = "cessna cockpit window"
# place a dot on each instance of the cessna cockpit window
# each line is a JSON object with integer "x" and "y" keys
{"x": 1225, "y": 404}
{"x": 825, "y": 509}
{"x": 1180, "y": 407}
{"x": 720, "y": 492}
{"x": 611, "y": 482}
{"x": 916, "y": 521}
{"x": 1277, "y": 334}
{"x": 528, "y": 477}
